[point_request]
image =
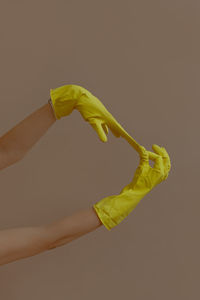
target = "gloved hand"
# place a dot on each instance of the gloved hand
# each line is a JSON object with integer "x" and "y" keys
{"x": 68, "y": 97}
{"x": 113, "y": 209}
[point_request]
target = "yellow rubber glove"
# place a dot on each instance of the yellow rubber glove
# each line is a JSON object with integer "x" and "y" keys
{"x": 113, "y": 209}
{"x": 68, "y": 97}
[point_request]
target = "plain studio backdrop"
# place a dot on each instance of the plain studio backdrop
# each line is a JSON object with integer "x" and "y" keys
{"x": 141, "y": 59}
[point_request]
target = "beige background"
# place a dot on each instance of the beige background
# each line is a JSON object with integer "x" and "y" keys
{"x": 141, "y": 58}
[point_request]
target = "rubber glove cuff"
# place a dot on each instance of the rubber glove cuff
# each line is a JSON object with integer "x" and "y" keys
{"x": 64, "y": 99}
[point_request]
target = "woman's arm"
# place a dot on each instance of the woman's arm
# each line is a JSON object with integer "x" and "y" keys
{"x": 19, "y": 243}
{"x": 21, "y": 138}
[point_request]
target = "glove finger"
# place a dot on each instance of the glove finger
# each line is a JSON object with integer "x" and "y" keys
{"x": 157, "y": 149}
{"x": 158, "y": 160}
{"x": 97, "y": 126}
{"x": 105, "y": 128}
{"x": 114, "y": 126}
{"x": 166, "y": 159}
{"x": 144, "y": 156}
{"x": 115, "y": 132}
{"x": 152, "y": 156}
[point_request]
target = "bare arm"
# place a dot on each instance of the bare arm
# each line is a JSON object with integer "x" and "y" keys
{"x": 19, "y": 243}
{"x": 21, "y": 138}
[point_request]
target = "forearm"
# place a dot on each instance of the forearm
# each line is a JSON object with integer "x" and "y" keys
{"x": 21, "y": 138}
{"x": 71, "y": 227}
{"x": 19, "y": 243}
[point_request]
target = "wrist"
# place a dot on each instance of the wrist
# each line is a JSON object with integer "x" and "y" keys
{"x": 52, "y": 108}
{"x": 64, "y": 100}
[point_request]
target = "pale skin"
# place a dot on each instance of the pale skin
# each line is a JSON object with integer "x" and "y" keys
{"x": 23, "y": 242}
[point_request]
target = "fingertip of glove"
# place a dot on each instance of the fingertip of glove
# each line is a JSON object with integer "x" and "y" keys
{"x": 154, "y": 146}
{"x": 104, "y": 140}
